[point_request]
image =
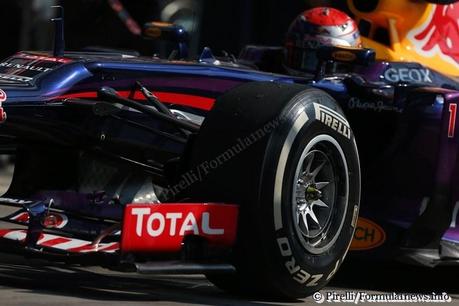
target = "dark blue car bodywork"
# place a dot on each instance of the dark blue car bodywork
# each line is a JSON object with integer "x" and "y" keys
{"x": 401, "y": 114}
{"x": 89, "y": 165}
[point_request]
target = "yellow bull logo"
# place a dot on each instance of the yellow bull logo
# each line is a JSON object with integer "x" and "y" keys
{"x": 414, "y": 31}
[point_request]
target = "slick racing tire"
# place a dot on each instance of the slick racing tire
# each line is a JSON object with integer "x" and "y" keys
{"x": 286, "y": 154}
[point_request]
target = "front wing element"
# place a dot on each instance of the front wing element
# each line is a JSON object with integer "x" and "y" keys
{"x": 146, "y": 228}
{"x": 60, "y": 243}
{"x": 153, "y": 228}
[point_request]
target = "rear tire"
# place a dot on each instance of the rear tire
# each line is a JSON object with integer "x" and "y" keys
{"x": 259, "y": 147}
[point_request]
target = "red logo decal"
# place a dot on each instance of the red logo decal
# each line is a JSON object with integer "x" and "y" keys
{"x": 55, "y": 220}
{"x": 51, "y": 220}
{"x": 44, "y": 58}
{"x": 162, "y": 227}
{"x": 442, "y": 31}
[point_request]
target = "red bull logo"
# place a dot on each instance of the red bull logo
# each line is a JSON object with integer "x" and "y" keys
{"x": 439, "y": 34}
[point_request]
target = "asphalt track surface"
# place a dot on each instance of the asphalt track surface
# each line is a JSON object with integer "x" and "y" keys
{"x": 37, "y": 282}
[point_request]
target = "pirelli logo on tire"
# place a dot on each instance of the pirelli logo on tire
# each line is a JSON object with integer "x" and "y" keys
{"x": 333, "y": 119}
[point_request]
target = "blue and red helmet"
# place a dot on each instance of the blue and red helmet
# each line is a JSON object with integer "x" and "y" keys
{"x": 320, "y": 26}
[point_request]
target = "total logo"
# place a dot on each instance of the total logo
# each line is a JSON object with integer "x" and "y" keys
{"x": 166, "y": 227}
{"x": 410, "y": 75}
{"x": 43, "y": 58}
{"x": 172, "y": 223}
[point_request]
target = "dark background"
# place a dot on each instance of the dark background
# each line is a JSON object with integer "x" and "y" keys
{"x": 221, "y": 24}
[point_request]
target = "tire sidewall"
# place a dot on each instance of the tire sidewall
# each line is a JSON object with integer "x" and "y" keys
{"x": 290, "y": 264}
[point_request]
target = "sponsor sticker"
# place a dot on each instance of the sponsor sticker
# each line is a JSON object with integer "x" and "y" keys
{"x": 44, "y": 58}
{"x": 410, "y": 75}
{"x": 333, "y": 119}
{"x": 345, "y": 56}
{"x": 377, "y": 106}
{"x": 25, "y": 67}
{"x": 55, "y": 220}
{"x": 368, "y": 235}
{"x": 162, "y": 227}
{"x": 51, "y": 220}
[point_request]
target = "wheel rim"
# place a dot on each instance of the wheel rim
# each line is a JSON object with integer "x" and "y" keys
{"x": 320, "y": 194}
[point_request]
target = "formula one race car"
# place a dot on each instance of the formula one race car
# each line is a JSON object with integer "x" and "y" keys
{"x": 210, "y": 166}
{"x": 403, "y": 111}
{"x": 160, "y": 166}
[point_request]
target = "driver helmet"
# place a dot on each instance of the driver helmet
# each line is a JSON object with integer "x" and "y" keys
{"x": 320, "y": 26}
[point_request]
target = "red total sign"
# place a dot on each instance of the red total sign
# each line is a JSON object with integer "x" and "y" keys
{"x": 162, "y": 227}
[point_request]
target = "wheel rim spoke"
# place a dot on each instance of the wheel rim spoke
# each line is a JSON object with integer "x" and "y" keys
{"x": 317, "y": 170}
{"x": 319, "y": 179}
{"x": 308, "y": 166}
{"x": 313, "y": 216}
{"x": 319, "y": 203}
{"x": 321, "y": 185}
{"x": 305, "y": 222}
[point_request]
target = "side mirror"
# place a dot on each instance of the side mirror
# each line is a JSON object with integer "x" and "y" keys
{"x": 170, "y": 32}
